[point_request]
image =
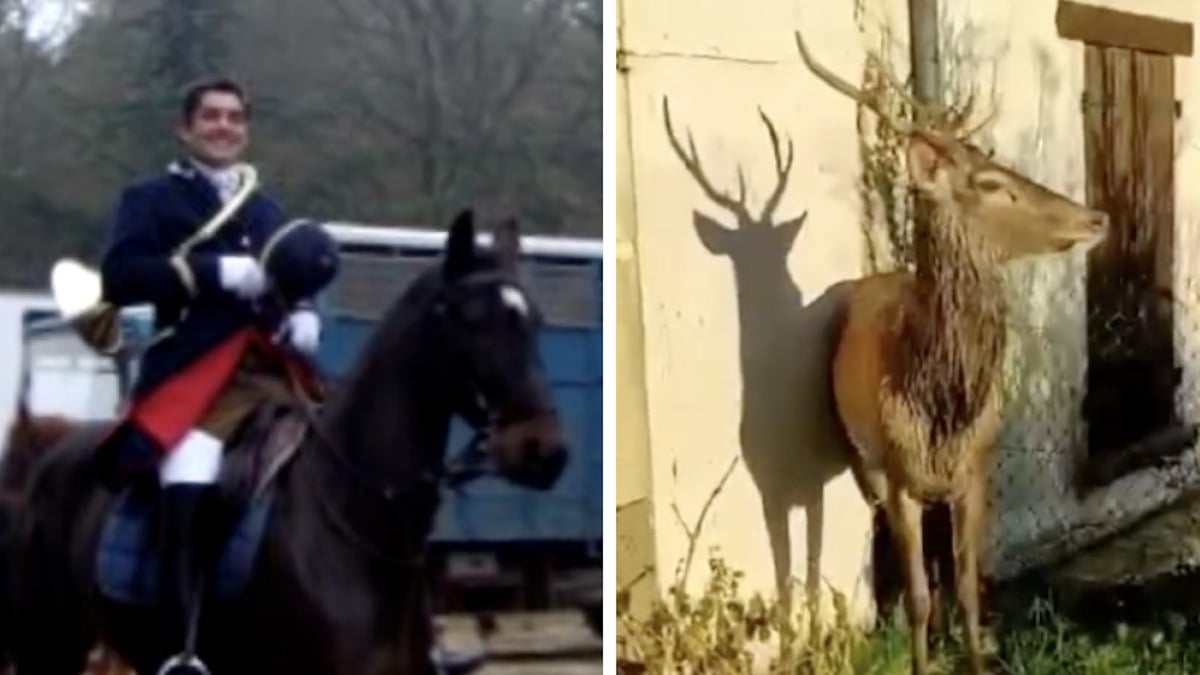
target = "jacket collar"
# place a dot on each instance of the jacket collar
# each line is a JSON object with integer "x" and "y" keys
{"x": 190, "y": 168}
{"x": 185, "y": 170}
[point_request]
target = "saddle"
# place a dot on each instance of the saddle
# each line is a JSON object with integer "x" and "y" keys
{"x": 128, "y": 561}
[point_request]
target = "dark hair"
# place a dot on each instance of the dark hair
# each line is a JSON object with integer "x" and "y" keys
{"x": 195, "y": 92}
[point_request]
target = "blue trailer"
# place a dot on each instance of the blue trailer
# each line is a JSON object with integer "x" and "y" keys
{"x": 496, "y": 545}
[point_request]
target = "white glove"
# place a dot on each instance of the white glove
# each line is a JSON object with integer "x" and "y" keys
{"x": 241, "y": 275}
{"x": 304, "y": 330}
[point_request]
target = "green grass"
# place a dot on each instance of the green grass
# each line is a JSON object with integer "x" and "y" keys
{"x": 1044, "y": 643}
{"x": 720, "y": 631}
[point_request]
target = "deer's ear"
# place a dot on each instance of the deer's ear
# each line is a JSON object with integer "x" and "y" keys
{"x": 788, "y": 230}
{"x": 929, "y": 162}
{"x": 716, "y": 237}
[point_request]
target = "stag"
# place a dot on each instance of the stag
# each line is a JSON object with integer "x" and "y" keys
{"x": 917, "y": 369}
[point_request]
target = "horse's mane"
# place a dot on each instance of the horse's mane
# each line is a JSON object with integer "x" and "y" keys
{"x": 388, "y": 345}
{"x": 408, "y": 308}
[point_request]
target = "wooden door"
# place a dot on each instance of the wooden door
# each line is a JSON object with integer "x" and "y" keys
{"x": 1129, "y": 122}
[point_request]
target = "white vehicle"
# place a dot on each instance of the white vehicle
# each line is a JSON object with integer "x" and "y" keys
{"x": 62, "y": 375}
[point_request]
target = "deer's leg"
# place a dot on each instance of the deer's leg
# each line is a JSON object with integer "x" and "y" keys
{"x": 937, "y": 542}
{"x": 885, "y": 556}
{"x": 904, "y": 512}
{"x": 968, "y": 513}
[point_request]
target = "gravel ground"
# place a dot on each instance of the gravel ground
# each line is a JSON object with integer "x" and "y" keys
{"x": 536, "y": 643}
{"x": 538, "y": 635}
{"x": 577, "y": 667}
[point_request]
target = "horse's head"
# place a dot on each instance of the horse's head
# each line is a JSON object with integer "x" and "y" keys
{"x": 490, "y": 327}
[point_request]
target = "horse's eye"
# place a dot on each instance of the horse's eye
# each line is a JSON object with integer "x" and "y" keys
{"x": 474, "y": 310}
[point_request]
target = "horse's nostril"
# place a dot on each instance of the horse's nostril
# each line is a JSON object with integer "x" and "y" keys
{"x": 555, "y": 461}
{"x": 529, "y": 452}
{"x": 546, "y": 472}
{"x": 538, "y": 463}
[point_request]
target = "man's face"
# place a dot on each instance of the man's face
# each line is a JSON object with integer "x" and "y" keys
{"x": 217, "y": 131}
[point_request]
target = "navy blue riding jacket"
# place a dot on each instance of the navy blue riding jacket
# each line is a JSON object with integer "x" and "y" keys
{"x": 154, "y": 216}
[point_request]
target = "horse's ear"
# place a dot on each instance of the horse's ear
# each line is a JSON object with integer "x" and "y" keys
{"x": 460, "y": 245}
{"x": 21, "y": 419}
{"x": 506, "y": 241}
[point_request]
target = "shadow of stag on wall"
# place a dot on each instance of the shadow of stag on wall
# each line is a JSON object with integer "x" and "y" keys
{"x": 790, "y": 437}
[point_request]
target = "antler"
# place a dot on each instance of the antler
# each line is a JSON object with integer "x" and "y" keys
{"x": 692, "y": 163}
{"x": 987, "y": 119}
{"x": 921, "y": 110}
{"x": 850, "y": 90}
{"x": 783, "y": 167}
{"x": 931, "y": 118}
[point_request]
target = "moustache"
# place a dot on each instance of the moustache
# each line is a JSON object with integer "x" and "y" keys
{"x": 222, "y": 138}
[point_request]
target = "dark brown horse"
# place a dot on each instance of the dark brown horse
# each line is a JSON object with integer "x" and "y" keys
{"x": 29, "y": 437}
{"x": 339, "y": 583}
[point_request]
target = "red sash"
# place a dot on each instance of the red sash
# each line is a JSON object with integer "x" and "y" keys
{"x": 174, "y": 407}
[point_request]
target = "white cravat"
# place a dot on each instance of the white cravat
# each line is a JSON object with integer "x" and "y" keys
{"x": 225, "y": 181}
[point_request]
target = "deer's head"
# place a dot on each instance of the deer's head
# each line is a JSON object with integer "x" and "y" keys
{"x": 751, "y": 240}
{"x": 1003, "y": 210}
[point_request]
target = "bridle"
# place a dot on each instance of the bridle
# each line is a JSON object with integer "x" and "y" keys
{"x": 469, "y": 464}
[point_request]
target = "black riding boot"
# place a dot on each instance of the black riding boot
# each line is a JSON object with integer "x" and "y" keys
{"x": 183, "y": 507}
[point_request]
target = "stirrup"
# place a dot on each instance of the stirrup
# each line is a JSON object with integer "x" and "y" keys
{"x": 184, "y": 660}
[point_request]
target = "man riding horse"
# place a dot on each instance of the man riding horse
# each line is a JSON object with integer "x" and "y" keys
{"x": 233, "y": 314}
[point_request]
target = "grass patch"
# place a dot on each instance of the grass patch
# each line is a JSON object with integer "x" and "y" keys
{"x": 723, "y": 632}
{"x": 1044, "y": 641}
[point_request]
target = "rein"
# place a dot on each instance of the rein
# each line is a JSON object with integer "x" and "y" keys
{"x": 467, "y": 465}
{"x": 464, "y": 466}
{"x": 387, "y": 492}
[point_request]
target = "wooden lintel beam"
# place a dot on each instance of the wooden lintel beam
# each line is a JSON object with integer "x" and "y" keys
{"x": 1114, "y": 28}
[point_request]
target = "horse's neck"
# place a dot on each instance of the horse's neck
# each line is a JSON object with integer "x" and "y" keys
{"x": 367, "y": 587}
{"x": 389, "y": 426}
{"x": 372, "y": 612}
{"x": 392, "y": 416}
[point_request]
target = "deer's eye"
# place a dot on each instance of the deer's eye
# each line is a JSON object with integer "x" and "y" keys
{"x": 989, "y": 184}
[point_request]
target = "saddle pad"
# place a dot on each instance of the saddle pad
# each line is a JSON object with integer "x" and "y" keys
{"x": 128, "y": 563}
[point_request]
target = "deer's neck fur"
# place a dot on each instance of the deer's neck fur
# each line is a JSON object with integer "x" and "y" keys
{"x": 946, "y": 356}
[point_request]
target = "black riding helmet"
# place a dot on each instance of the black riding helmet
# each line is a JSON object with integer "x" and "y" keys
{"x": 300, "y": 258}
